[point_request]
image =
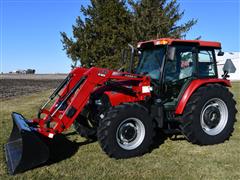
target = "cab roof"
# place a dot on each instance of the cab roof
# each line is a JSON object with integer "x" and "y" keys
{"x": 169, "y": 41}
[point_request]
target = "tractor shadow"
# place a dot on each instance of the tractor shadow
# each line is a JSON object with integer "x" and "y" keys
{"x": 62, "y": 148}
{"x": 161, "y": 137}
{"x": 158, "y": 140}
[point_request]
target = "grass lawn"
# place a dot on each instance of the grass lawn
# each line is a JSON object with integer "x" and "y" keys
{"x": 76, "y": 158}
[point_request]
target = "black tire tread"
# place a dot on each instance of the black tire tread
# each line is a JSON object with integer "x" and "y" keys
{"x": 85, "y": 131}
{"x": 102, "y": 132}
{"x": 188, "y": 115}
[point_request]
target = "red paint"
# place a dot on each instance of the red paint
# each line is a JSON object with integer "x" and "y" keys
{"x": 195, "y": 84}
{"x": 170, "y": 41}
{"x": 118, "y": 98}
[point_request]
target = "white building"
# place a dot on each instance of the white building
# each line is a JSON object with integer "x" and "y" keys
{"x": 235, "y": 57}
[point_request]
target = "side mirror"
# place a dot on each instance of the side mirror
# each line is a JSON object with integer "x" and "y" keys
{"x": 220, "y": 53}
{"x": 229, "y": 66}
{"x": 171, "y": 53}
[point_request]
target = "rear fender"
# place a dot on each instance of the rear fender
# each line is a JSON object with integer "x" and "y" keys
{"x": 193, "y": 86}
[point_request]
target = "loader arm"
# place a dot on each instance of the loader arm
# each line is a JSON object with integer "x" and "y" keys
{"x": 75, "y": 94}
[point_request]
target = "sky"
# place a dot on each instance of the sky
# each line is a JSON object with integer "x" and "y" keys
{"x": 30, "y": 30}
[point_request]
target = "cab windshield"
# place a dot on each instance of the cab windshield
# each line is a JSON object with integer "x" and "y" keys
{"x": 150, "y": 62}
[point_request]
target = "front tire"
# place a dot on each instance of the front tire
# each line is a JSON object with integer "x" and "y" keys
{"x": 209, "y": 115}
{"x": 126, "y": 131}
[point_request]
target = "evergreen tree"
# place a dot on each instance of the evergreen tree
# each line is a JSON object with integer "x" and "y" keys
{"x": 154, "y": 19}
{"x": 108, "y": 26}
{"x": 99, "y": 39}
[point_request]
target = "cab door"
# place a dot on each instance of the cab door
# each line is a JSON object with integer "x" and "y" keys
{"x": 179, "y": 70}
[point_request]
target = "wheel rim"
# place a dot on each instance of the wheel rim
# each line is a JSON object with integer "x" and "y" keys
{"x": 214, "y": 116}
{"x": 130, "y": 133}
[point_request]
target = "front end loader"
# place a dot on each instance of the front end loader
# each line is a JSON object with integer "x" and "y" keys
{"x": 174, "y": 89}
{"x": 26, "y": 148}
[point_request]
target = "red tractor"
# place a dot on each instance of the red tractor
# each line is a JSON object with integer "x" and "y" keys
{"x": 173, "y": 89}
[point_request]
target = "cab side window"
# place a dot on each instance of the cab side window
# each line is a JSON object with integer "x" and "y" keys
{"x": 186, "y": 65}
{"x": 206, "y": 63}
{"x": 182, "y": 66}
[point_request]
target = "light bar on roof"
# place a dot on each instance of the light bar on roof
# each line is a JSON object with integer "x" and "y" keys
{"x": 161, "y": 42}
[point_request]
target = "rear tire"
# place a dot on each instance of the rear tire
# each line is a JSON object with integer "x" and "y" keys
{"x": 126, "y": 131}
{"x": 209, "y": 115}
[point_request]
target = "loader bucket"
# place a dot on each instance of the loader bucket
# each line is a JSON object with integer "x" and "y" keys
{"x": 24, "y": 149}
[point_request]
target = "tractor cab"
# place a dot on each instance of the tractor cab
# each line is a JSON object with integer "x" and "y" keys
{"x": 172, "y": 64}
